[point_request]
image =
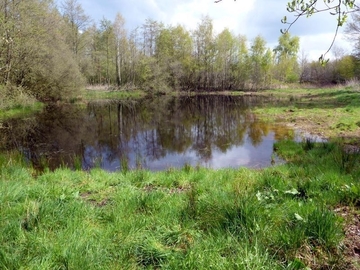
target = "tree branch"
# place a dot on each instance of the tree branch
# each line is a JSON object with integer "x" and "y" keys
{"x": 301, "y": 9}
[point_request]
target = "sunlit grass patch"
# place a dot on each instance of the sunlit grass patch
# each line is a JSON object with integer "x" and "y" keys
{"x": 17, "y": 103}
{"x": 308, "y": 110}
{"x": 21, "y": 111}
{"x": 96, "y": 94}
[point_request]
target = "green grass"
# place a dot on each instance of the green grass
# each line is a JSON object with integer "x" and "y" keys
{"x": 15, "y": 102}
{"x": 331, "y": 113}
{"x": 21, "y": 111}
{"x": 98, "y": 94}
{"x": 276, "y": 218}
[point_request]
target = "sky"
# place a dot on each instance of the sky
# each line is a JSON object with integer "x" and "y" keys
{"x": 245, "y": 17}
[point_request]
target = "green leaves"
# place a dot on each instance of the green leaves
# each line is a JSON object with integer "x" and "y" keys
{"x": 323, "y": 61}
{"x": 342, "y": 19}
{"x": 308, "y": 8}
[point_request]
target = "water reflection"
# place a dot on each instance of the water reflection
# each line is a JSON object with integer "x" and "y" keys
{"x": 157, "y": 133}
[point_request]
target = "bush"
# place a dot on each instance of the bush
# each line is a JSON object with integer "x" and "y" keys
{"x": 14, "y": 97}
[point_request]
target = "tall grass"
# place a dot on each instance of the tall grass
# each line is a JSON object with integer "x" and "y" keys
{"x": 193, "y": 218}
{"x": 14, "y": 98}
{"x": 16, "y": 102}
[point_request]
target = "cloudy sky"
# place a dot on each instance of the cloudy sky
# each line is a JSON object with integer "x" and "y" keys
{"x": 246, "y": 17}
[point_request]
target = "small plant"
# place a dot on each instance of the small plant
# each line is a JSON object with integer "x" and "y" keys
{"x": 187, "y": 167}
{"x": 124, "y": 164}
{"x": 147, "y": 202}
{"x": 323, "y": 229}
{"x": 319, "y": 228}
{"x": 32, "y": 218}
{"x": 150, "y": 253}
{"x": 42, "y": 162}
{"x": 191, "y": 208}
{"x": 97, "y": 162}
{"x": 77, "y": 163}
{"x": 138, "y": 162}
{"x": 138, "y": 177}
{"x": 308, "y": 144}
{"x": 348, "y": 159}
{"x": 328, "y": 147}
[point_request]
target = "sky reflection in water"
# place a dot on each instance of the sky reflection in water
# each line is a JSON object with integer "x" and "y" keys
{"x": 156, "y": 134}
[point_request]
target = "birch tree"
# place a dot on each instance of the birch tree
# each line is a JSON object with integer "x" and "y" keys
{"x": 121, "y": 45}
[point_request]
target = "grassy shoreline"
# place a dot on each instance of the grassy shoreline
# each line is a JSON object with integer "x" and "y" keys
{"x": 298, "y": 215}
{"x": 276, "y": 218}
{"x": 90, "y": 94}
{"x": 21, "y": 111}
{"x": 331, "y": 113}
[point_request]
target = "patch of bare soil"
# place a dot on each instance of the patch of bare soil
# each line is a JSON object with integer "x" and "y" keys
{"x": 87, "y": 197}
{"x": 321, "y": 130}
{"x": 99, "y": 87}
{"x": 352, "y": 236}
{"x": 180, "y": 189}
{"x": 308, "y": 127}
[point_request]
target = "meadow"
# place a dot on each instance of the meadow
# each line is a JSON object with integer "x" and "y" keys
{"x": 283, "y": 217}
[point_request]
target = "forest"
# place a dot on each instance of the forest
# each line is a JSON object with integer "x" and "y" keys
{"x": 48, "y": 51}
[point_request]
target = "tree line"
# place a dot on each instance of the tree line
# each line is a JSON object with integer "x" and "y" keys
{"x": 51, "y": 51}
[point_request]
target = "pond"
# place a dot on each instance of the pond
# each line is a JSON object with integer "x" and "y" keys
{"x": 213, "y": 131}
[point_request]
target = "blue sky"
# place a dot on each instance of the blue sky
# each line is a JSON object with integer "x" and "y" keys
{"x": 246, "y": 17}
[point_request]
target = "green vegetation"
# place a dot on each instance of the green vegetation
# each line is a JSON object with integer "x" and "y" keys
{"x": 16, "y": 104}
{"x": 276, "y": 218}
{"x": 21, "y": 110}
{"x": 52, "y": 54}
{"x": 34, "y": 54}
{"x": 96, "y": 94}
{"x": 329, "y": 112}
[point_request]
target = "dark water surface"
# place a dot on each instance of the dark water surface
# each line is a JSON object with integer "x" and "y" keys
{"x": 158, "y": 133}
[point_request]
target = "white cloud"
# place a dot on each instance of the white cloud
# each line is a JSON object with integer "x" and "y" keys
{"x": 227, "y": 14}
{"x": 317, "y": 44}
{"x": 249, "y": 18}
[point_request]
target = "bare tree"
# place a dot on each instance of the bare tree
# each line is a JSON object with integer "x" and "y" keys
{"x": 78, "y": 21}
{"x": 121, "y": 40}
{"x": 150, "y": 32}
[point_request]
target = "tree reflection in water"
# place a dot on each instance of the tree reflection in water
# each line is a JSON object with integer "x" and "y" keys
{"x": 156, "y": 133}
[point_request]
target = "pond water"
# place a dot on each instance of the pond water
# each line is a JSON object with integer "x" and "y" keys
{"x": 213, "y": 131}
